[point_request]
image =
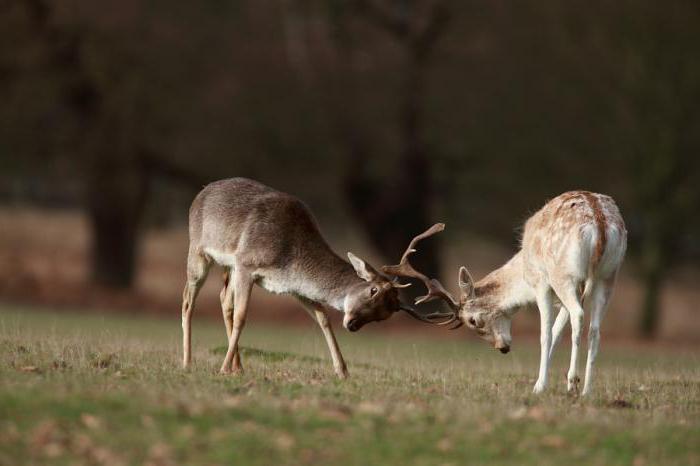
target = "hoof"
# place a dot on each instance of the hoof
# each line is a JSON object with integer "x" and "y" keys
{"x": 538, "y": 388}
{"x": 572, "y": 384}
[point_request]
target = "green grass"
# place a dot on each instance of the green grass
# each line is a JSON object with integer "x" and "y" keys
{"x": 107, "y": 389}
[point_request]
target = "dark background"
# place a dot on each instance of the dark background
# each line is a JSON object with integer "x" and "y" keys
{"x": 383, "y": 115}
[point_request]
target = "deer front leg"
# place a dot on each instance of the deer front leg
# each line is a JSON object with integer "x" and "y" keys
{"x": 319, "y": 315}
{"x": 242, "y": 284}
{"x": 544, "y": 303}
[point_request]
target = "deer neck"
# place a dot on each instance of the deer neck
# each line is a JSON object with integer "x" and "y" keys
{"x": 326, "y": 279}
{"x": 504, "y": 289}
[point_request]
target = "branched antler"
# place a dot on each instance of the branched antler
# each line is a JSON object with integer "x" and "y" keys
{"x": 435, "y": 288}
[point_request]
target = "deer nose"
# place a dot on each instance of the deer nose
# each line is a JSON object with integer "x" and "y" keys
{"x": 502, "y": 346}
{"x": 353, "y": 325}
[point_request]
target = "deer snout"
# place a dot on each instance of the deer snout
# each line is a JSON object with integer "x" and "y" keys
{"x": 502, "y": 345}
{"x": 353, "y": 324}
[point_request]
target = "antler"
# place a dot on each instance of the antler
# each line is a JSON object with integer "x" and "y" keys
{"x": 435, "y": 288}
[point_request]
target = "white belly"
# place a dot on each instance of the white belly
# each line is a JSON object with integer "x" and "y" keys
{"x": 220, "y": 257}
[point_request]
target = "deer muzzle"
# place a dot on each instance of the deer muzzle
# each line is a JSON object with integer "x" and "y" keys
{"x": 501, "y": 345}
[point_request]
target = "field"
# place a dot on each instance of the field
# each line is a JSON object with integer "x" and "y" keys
{"x": 89, "y": 388}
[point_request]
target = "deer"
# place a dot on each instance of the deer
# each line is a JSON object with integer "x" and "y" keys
{"x": 265, "y": 237}
{"x": 570, "y": 254}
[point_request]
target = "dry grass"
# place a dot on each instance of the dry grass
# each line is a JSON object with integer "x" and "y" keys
{"x": 104, "y": 389}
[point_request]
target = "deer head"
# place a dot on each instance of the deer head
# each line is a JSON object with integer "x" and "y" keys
{"x": 378, "y": 298}
{"x": 481, "y": 315}
{"x": 374, "y": 299}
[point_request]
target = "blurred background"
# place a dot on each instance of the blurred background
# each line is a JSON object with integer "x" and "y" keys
{"x": 383, "y": 115}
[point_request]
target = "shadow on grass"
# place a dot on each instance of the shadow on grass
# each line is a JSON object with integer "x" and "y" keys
{"x": 279, "y": 356}
{"x": 269, "y": 356}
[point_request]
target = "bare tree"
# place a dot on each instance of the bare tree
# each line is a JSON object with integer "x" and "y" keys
{"x": 647, "y": 73}
{"x": 106, "y": 151}
{"x": 394, "y": 202}
{"x": 393, "y": 210}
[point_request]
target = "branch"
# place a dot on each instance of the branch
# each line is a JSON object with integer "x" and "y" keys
{"x": 420, "y": 40}
{"x": 154, "y": 164}
{"x": 425, "y": 40}
{"x": 390, "y": 22}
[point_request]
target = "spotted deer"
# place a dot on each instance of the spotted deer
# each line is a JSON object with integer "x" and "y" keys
{"x": 269, "y": 238}
{"x": 571, "y": 252}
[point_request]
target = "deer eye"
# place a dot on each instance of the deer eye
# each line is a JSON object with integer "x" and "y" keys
{"x": 472, "y": 322}
{"x": 373, "y": 291}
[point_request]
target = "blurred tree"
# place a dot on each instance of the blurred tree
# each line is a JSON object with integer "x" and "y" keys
{"x": 659, "y": 123}
{"x": 368, "y": 102}
{"x": 571, "y": 96}
{"x": 648, "y": 76}
{"x": 106, "y": 147}
{"x": 392, "y": 197}
{"x": 398, "y": 206}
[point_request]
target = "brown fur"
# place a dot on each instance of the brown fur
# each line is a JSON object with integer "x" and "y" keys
{"x": 486, "y": 289}
{"x": 269, "y": 238}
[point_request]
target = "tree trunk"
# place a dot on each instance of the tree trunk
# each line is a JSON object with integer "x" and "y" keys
{"x": 395, "y": 209}
{"x": 116, "y": 195}
{"x": 649, "y": 322}
{"x": 654, "y": 262}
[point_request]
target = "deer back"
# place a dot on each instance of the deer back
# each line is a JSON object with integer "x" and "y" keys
{"x": 578, "y": 233}
{"x": 240, "y": 222}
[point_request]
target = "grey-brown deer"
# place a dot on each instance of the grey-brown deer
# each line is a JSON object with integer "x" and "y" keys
{"x": 571, "y": 252}
{"x": 266, "y": 237}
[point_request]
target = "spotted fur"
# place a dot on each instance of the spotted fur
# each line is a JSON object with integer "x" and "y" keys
{"x": 571, "y": 250}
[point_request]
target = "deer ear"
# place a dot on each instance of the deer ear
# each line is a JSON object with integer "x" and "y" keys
{"x": 362, "y": 268}
{"x": 466, "y": 284}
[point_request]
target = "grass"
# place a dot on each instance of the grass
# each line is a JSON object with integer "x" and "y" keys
{"x": 105, "y": 389}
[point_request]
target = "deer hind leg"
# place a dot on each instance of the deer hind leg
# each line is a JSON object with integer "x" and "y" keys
{"x": 597, "y": 302}
{"x": 567, "y": 290}
{"x": 226, "y": 298}
{"x": 239, "y": 289}
{"x": 546, "y": 308}
{"x": 319, "y": 315}
{"x": 197, "y": 269}
{"x": 558, "y": 329}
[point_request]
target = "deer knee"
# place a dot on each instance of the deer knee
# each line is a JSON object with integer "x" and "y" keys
{"x": 594, "y": 333}
{"x": 576, "y": 318}
{"x": 238, "y": 321}
{"x": 323, "y": 320}
{"x": 186, "y": 307}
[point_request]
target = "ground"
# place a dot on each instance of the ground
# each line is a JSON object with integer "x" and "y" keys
{"x": 90, "y": 388}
